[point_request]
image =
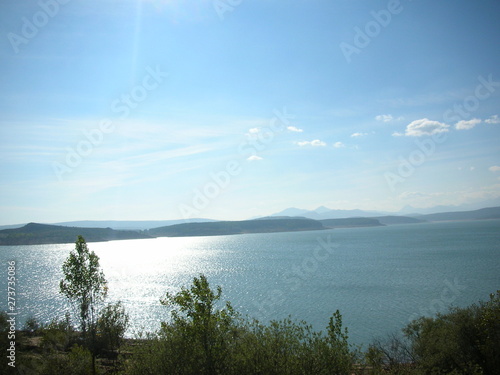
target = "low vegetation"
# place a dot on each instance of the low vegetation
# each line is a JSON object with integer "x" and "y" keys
{"x": 206, "y": 336}
{"x": 204, "y": 339}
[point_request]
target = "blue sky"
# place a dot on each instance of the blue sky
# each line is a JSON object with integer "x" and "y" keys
{"x": 168, "y": 109}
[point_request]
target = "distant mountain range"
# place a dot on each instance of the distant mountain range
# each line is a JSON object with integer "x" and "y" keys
{"x": 33, "y": 233}
{"x": 481, "y": 214}
{"x": 323, "y": 212}
{"x": 438, "y": 213}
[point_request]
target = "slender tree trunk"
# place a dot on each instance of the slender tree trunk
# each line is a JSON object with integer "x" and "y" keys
{"x": 93, "y": 346}
{"x": 93, "y": 363}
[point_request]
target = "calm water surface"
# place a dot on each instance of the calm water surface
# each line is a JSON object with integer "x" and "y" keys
{"x": 379, "y": 278}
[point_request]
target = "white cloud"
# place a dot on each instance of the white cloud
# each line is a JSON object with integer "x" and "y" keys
{"x": 397, "y": 134}
{"x": 315, "y": 143}
{"x": 425, "y": 126}
{"x": 494, "y": 168}
{"x": 254, "y": 130}
{"x": 493, "y": 120}
{"x": 338, "y": 145}
{"x": 355, "y": 135}
{"x": 294, "y": 129}
{"x": 384, "y": 118}
{"x": 467, "y": 124}
{"x": 254, "y": 158}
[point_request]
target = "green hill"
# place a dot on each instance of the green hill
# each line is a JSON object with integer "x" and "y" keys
{"x": 37, "y": 234}
{"x": 482, "y": 214}
{"x": 220, "y": 228}
{"x": 394, "y": 220}
{"x": 351, "y": 222}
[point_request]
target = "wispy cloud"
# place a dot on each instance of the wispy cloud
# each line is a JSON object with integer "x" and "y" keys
{"x": 294, "y": 129}
{"x": 384, "y": 118}
{"x": 467, "y": 124}
{"x": 356, "y": 135}
{"x": 493, "y": 120}
{"x": 423, "y": 127}
{"x": 254, "y": 158}
{"x": 315, "y": 143}
{"x": 338, "y": 145}
{"x": 494, "y": 168}
{"x": 148, "y": 158}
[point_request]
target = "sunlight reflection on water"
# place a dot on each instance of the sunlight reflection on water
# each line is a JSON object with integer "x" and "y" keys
{"x": 376, "y": 277}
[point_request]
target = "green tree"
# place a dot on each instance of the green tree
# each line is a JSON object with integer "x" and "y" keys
{"x": 462, "y": 341}
{"x": 111, "y": 326}
{"x": 86, "y": 288}
{"x": 202, "y": 327}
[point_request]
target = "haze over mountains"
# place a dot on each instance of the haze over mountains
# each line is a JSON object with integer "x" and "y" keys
{"x": 323, "y": 212}
{"x": 327, "y": 213}
{"x": 320, "y": 213}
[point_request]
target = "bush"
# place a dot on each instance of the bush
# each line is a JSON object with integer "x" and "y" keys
{"x": 464, "y": 338}
{"x": 291, "y": 347}
{"x": 58, "y": 334}
{"x": 204, "y": 339}
{"x": 4, "y": 342}
{"x": 31, "y": 326}
{"x": 111, "y": 326}
{"x": 77, "y": 362}
{"x": 394, "y": 354}
{"x": 462, "y": 341}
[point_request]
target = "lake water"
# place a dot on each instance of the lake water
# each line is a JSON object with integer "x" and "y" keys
{"x": 379, "y": 278}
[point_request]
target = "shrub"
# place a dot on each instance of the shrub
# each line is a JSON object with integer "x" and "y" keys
{"x": 290, "y": 347}
{"x": 462, "y": 341}
{"x": 58, "y": 334}
{"x": 203, "y": 338}
{"x": 77, "y": 362}
{"x": 31, "y": 326}
{"x": 4, "y": 342}
{"x": 111, "y": 326}
{"x": 394, "y": 354}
